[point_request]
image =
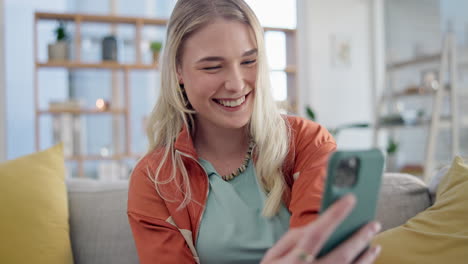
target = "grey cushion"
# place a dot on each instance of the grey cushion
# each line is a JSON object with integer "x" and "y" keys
{"x": 99, "y": 228}
{"x": 402, "y": 196}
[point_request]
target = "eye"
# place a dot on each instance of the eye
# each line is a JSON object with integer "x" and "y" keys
{"x": 211, "y": 68}
{"x": 249, "y": 62}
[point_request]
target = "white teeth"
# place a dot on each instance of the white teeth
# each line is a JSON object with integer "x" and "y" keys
{"x": 232, "y": 103}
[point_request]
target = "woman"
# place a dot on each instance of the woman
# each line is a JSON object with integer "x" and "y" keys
{"x": 227, "y": 175}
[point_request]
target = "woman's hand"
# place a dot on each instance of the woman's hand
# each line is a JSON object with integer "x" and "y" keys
{"x": 302, "y": 245}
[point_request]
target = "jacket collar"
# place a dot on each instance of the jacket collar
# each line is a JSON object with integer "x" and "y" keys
{"x": 184, "y": 143}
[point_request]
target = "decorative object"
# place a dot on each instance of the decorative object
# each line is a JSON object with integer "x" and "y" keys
{"x": 111, "y": 171}
{"x": 340, "y": 47}
{"x": 156, "y": 49}
{"x": 429, "y": 80}
{"x": 33, "y": 198}
{"x": 59, "y": 51}
{"x": 66, "y": 105}
{"x": 109, "y": 48}
{"x": 67, "y": 127}
{"x": 102, "y": 105}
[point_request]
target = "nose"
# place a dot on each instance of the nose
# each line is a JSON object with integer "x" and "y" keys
{"x": 235, "y": 80}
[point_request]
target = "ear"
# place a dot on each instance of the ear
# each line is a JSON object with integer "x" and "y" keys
{"x": 179, "y": 75}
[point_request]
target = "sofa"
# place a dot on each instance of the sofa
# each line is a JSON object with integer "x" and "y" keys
{"x": 100, "y": 232}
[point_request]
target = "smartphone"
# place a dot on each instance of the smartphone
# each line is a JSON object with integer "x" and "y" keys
{"x": 357, "y": 172}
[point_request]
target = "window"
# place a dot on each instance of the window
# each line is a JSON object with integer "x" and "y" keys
{"x": 278, "y": 17}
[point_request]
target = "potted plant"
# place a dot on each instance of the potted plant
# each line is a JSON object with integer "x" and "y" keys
{"x": 58, "y": 51}
{"x": 392, "y": 148}
{"x": 156, "y": 48}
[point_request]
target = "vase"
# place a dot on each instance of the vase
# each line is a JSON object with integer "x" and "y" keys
{"x": 109, "y": 48}
{"x": 155, "y": 57}
{"x": 58, "y": 51}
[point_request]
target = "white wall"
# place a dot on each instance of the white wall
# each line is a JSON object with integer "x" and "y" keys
{"x": 339, "y": 95}
{"x": 2, "y": 87}
{"x": 19, "y": 72}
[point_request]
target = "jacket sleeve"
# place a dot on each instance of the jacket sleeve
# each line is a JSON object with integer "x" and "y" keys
{"x": 313, "y": 146}
{"x": 157, "y": 238}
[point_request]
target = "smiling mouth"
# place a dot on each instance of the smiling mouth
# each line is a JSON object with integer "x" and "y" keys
{"x": 232, "y": 103}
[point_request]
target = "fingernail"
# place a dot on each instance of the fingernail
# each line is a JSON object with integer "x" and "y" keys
{"x": 351, "y": 198}
{"x": 377, "y": 250}
{"x": 377, "y": 227}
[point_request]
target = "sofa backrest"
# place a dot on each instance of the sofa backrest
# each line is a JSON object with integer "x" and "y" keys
{"x": 100, "y": 232}
{"x": 99, "y": 228}
{"x": 402, "y": 196}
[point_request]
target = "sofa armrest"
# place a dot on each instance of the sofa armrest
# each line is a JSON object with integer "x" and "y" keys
{"x": 402, "y": 196}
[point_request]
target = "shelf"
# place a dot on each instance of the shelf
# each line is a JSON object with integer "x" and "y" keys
{"x": 103, "y": 65}
{"x": 81, "y": 111}
{"x": 288, "y": 69}
{"x": 414, "y": 61}
{"x": 285, "y": 30}
{"x": 430, "y": 58}
{"x": 100, "y": 18}
{"x": 404, "y": 126}
{"x": 444, "y": 123}
{"x": 463, "y": 92}
{"x": 403, "y": 94}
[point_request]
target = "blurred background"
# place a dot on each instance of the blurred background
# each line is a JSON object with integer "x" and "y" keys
{"x": 390, "y": 74}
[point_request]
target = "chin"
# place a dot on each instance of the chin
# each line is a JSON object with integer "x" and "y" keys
{"x": 235, "y": 125}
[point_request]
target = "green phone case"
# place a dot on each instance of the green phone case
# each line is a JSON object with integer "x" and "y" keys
{"x": 365, "y": 187}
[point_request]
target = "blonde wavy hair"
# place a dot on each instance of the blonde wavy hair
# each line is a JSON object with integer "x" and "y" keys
{"x": 268, "y": 128}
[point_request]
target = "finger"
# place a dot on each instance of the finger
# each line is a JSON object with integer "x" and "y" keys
{"x": 284, "y": 245}
{"x": 292, "y": 258}
{"x": 369, "y": 256}
{"x": 318, "y": 232}
{"x": 352, "y": 247}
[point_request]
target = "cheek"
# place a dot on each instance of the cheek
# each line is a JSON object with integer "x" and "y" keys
{"x": 202, "y": 84}
{"x": 252, "y": 77}
{"x": 199, "y": 89}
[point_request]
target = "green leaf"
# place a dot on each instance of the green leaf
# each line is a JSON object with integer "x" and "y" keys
{"x": 310, "y": 113}
{"x": 61, "y": 32}
{"x": 392, "y": 146}
{"x": 156, "y": 46}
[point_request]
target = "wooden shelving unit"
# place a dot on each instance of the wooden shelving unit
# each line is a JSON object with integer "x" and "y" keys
{"x": 448, "y": 63}
{"x": 126, "y": 69}
{"x": 77, "y": 64}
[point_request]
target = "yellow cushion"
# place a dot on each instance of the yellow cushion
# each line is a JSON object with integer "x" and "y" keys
{"x": 34, "y": 210}
{"x": 437, "y": 235}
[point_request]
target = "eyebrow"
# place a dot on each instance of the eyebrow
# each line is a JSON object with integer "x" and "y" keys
{"x": 218, "y": 58}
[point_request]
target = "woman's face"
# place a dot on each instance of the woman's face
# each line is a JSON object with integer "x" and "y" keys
{"x": 218, "y": 69}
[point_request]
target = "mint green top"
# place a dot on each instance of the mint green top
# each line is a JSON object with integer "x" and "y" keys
{"x": 233, "y": 229}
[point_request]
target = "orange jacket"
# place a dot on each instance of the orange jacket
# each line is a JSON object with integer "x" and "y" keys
{"x": 164, "y": 234}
